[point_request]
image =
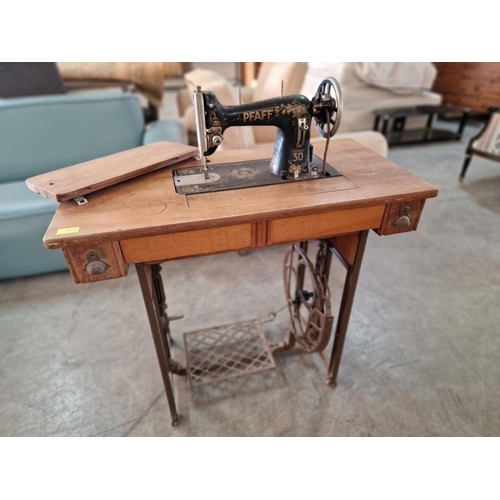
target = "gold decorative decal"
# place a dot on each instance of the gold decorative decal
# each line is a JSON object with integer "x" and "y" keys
{"x": 295, "y": 109}
{"x": 244, "y": 173}
{"x": 188, "y": 171}
{"x": 214, "y": 119}
{"x": 195, "y": 189}
{"x": 295, "y": 168}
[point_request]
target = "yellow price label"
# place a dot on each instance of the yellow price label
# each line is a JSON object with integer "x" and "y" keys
{"x": 68, "y": 230}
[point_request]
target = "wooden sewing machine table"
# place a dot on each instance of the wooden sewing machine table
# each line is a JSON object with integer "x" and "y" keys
{"x": 145, "y": 222}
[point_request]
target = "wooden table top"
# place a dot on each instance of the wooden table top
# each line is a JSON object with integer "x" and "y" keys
{"x": 149, "y": 205}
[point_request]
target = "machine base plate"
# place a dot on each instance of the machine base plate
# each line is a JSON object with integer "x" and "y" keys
{"x": 240, "y": 175}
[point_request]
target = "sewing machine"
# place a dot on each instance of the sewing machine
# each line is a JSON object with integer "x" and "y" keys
{"x": 146, "y": 222}
{"x": 292, "y": 158}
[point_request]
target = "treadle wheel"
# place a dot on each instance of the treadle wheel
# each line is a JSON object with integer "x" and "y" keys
{"x": 328, "y": 107}
{"x": 308, "y": 298}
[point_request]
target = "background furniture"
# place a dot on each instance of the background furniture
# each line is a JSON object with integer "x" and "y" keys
{"x": 22, "y": 79}
{"x": 269, "y": 84}
{"x": 370, "y": 86}
{"x": 474, "y": 85}
{"x": 40, "y": 134}
{"x": 145, "y": 77}
{"x": 365, "y": 87}
{"x": 486, "y": 143}
{"x": 392, "y": 123}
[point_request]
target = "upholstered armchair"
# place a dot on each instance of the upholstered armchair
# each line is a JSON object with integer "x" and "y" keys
{"x": 146, "y": 77}
{"x": 486, "y": 143}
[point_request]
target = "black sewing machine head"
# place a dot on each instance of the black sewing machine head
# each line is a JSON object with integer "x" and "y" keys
{"x": 292, "y": 116}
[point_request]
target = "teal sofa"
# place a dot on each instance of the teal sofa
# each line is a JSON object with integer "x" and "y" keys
{"x": 41, "y": 134}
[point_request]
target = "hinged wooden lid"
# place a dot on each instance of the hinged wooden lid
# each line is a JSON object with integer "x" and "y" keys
{"x": 84, "y": 178}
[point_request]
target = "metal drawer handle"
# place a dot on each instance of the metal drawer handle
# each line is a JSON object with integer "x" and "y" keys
{"x": 94, "y": 264}
{"x": 404, "y": 219}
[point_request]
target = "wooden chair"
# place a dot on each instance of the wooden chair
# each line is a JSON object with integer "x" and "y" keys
{"x": 486, "y": 143}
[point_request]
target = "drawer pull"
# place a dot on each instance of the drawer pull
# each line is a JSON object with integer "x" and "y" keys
{"x": 94, "y": 264}
{"x": 404, "y": 219}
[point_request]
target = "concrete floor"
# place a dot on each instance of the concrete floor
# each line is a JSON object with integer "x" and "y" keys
{"x": 421, "y": 356}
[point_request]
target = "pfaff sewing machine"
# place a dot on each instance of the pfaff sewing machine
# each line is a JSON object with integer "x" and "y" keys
{"x": 293, "y": 157}
{"x": 292, "y": 160}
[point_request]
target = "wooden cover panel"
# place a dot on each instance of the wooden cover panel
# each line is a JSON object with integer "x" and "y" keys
{"x": 79, "y": 180}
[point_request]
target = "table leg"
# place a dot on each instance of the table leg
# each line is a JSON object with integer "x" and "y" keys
{"x": 151, "y": 291}
{"x": 385, "y": 123}
{"x": 428, "y": 126}
{"x": 351, "y": 281}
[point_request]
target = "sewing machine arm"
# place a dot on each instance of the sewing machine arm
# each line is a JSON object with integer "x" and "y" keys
{"x": 291, "y": 115}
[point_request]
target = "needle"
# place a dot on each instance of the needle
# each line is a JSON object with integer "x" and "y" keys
{"x": 205, "y": 167}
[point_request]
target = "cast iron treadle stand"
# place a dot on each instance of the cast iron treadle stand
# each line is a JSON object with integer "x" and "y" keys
{"x": 153, "y": 294}
{"x": 154, "y": 299}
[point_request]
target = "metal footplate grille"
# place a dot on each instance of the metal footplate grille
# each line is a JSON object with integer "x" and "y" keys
{"x": 224, "y": 352}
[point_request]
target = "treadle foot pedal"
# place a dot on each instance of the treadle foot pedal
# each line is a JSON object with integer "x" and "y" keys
{"x": 228, "y": 351}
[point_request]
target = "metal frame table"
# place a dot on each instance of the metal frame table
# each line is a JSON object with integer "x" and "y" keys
{"x": 398, "y": 134}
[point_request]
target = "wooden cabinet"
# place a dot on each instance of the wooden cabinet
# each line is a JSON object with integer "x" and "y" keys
{"x": 475, "y": 85}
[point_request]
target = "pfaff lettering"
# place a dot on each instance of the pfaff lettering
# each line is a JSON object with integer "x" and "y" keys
{"x": 265, "y": 114}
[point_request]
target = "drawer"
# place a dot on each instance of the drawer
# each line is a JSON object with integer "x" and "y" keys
{"x": 95, "y": 261}
{"x": 401, "y": 217}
